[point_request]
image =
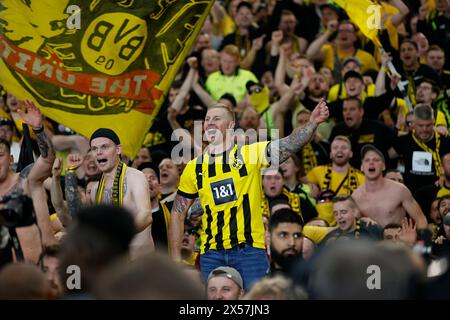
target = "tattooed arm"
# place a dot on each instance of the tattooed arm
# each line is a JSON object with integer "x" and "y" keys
{"x": 176, "y": 229}
{"x": 43, "y": 166}
{"x": 72, "y": 195}
{"x": 300, "y": 136}
{"x": 73, "y": 162}
{"x": 56, "y": 195}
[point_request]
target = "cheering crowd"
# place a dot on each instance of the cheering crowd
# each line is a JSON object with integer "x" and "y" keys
{"x": 320, "y": 169}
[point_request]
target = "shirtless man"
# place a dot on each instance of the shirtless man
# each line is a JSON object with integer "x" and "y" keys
{"x": 132, "y": 193}
{"x": 30, "y": 182}
{"x": 381, "y": 199}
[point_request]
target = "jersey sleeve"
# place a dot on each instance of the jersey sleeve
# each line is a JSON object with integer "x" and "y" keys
{"x": 258, "y": 153}
{"x": 187, "y": 187}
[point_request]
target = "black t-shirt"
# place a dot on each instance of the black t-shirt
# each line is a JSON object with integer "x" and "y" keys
{"x": 370, "y": 131}
{"x": 159, "y": 231}
{"x": 372, "y": 232}
{"x": 373, "y": 106}
{"x": 308, "y": 103}
{"x": 419, "y": 164}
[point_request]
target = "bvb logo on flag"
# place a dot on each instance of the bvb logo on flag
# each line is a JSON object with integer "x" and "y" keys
{"x": 118, "y": 64}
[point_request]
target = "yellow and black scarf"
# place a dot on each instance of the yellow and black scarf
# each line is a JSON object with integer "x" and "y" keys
{"x": 309, "y": 158}
{"x": 117, "y": 191}
{"x": 351, "y": 179}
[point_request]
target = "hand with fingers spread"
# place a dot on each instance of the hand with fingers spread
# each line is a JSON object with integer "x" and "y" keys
{"x": 57, "y": 167}
{"x": 31, "y": 114}
{"x": 74, "y": 161}
{"x": 408, "y": 232}
{"x": 320, "y": 113}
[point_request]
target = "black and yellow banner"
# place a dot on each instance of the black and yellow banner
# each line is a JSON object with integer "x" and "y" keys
{"x": 106, "y": 63}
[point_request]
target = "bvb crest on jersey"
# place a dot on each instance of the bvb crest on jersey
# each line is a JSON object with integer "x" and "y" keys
{"x": 237, "y": 163}
{"x": 113, "y": 71}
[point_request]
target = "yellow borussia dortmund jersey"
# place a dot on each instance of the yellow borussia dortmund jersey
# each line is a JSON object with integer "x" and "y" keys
{"x": 229, "y": 186}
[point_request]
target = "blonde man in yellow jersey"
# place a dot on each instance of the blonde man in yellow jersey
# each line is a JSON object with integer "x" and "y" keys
{"x": 337, "y": 178}
{"x": 227, "y": 178}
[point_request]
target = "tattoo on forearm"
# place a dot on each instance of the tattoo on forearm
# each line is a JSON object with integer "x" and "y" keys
{"x": 72, "y": 196}
{"x": 44, "y": 144}
{"x": 180, "y": 204}
{"x": 295, "y": 141}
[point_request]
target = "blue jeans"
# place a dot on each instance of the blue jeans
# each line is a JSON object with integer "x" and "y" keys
{"x": 252, "y": 263}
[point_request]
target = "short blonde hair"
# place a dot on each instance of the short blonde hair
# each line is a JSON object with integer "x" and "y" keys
{"x": 276, "y": 288}
{"x": 343, "y": 138}
{"x": 228, "y": 110}
{"x": 232, "y": 50}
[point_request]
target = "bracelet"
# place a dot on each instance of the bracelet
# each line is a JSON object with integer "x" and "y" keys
{"x": 72, "y": 169}
{"x": 38, "y": 130}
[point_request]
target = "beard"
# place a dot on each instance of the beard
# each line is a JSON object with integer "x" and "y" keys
{"x": 285, "y": 262}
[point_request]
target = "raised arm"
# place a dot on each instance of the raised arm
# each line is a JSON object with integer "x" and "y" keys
{"x": 314, "y": 52}
{"x": 403, "y": 11}
{"x": 282, "y": 106}
{"x": 282, "y": 148}
{"x": 249, "y": 59}
{"x": 413, "y": 209}
{"x": 42, "y": 169}
{"x": 74, "y": 143}
{"x": 56, "y": 194}
{"x": 178, "y": 103}
{"x": 179, "y": 210}
{"x": 73, "y": 162}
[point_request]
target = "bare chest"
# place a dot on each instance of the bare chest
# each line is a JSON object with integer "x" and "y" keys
{"x": 382, "y": 206}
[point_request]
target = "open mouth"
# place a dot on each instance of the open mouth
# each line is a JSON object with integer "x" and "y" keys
{"x": 101, "y": 161}
{"x": 164, "y": 175}
{"x": 371, "y": 170}
{"x": 185, "y": 241}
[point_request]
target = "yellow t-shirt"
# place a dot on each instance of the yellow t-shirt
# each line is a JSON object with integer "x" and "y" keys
{"x": 326, "y": 179}
{"x": 366, "y": 59}
{"x": 217, "y": 84}
{"x": 230, "y": 192}
{"x": 334, "y": 93}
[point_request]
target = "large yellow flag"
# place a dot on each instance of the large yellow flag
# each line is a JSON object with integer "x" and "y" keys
{"x": 365, "y": 14}
{"x": 97, "y": 63}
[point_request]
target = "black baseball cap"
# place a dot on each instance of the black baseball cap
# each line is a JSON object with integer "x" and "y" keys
{"x": 370, "y": 147}
{"x": 149, "y": 165}
{"x": 352, "y": 74}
